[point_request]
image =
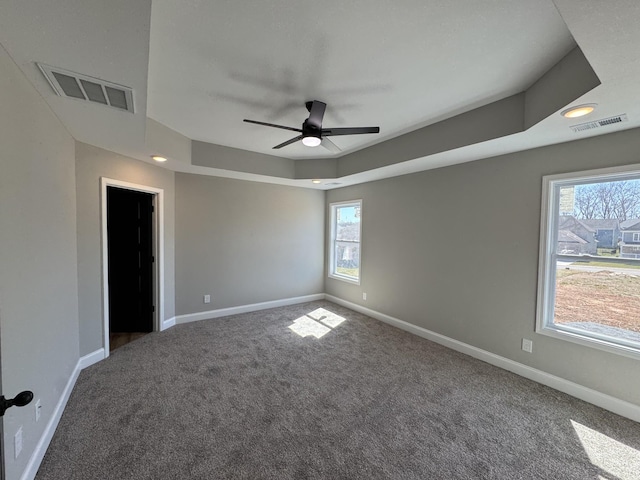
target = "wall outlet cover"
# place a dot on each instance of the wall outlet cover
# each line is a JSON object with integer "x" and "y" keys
{"x": 207, "y": 299}
{"x": 17, "y": 442}
{"x": 527, "y": 345}
{"x": 38, "y": 409}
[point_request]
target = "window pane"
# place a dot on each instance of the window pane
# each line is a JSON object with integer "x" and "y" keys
{"x": 347, "y": 257}
{"x": 348, "y": 223}
{"x": 345, "y": 254}
{"x": 597, "y": 284}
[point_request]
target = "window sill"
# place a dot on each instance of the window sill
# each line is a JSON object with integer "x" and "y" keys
{"x": 592, "y": 340}
{"x": 344, "y": 278}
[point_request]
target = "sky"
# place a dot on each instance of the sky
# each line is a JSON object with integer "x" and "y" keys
{"x": 348, "y": 215}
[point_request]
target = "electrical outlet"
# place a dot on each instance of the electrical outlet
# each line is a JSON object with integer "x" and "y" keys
{"x": 17, "y": 442}
{"x": 364, "y": 296}
{"x": 207, "y": 299}
{"x": 38, "y": 410}
{"x": 527, "y": 345}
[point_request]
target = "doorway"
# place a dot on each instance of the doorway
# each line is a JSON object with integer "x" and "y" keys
{"x": 130, "y": 252}
{"x": 132, "y": 262}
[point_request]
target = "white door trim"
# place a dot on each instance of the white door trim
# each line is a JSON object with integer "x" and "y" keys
{"x": 158, "y": 252}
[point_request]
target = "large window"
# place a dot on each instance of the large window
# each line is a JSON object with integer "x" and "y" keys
{"x": 344, "y": 256}
{"x": 589, "y": 278}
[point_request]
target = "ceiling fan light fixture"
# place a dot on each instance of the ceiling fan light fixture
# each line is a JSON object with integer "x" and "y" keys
{"x": 312, "y": 133}
{"x": 579, "y": 110}
{"x": 311, "y": 141}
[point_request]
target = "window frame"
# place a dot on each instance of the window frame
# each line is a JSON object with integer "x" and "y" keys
{"x": 547, "y": 265}
{"x": 635, "y": 237}
{"x": 332, "y": 239}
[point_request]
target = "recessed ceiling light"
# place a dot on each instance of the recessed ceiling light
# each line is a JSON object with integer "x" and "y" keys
{"x": 316, "y": 181}
{"x": 579, "y": 111}
{"x": 158, "y": 158}
{"x": 311, "y": 141}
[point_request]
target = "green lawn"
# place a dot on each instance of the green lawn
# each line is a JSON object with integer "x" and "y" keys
{"x": 598, "y": 263}
{"x": 351, "y": 272}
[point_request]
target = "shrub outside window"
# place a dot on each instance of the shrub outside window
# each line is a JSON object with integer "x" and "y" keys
{"x": 589, "y": 271}
{"x": 346, "y": 227}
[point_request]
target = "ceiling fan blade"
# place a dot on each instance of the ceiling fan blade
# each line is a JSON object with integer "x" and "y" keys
{"x": 288, "y": 142}
{"x": 316, "y": 113}
{"x": 328, "y": 132}
{"x": 329, "y": 145}
{"x": 273, "y": 125}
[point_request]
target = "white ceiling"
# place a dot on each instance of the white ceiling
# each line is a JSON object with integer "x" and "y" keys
{"x": 200, "y": 67}
{"x": 397, "y": 65}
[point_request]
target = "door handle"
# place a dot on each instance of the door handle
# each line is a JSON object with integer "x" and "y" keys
{"x": 20, "y": 400}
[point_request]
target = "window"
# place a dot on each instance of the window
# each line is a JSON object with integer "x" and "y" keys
{"x": 344, "y": 256}
{"x": 636, "y": 237}
{"x": 589, "y": 285}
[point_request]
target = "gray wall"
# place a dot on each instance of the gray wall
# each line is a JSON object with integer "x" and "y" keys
{"x": 480, "y": 291}
{"x": 92, "y": 163}
{"x": 38, "y": 282}
{"x": 245, "y": 242}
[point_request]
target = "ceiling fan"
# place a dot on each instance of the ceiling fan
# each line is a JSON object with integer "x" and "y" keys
{"x": 312, "y": 134}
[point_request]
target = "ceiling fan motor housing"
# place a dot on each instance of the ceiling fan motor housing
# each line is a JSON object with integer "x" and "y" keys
{"x": 310, "y": 130}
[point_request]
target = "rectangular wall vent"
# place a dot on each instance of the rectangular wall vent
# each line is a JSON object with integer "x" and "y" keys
{"x": 599, "y": 123}
{"x": 82, "y": 87}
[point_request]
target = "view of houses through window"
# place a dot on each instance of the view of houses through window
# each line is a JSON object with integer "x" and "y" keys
{"x": 593, "y": 265}
{"x": 345, "y": 239}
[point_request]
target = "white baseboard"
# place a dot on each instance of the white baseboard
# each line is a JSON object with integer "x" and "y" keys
{"x": 41, "y": 448}
{"x": 91, "y": 358}
{"x": 33, "y": 465}
{"x": 224, "y": 312}
{"x": 170, "y": 322}
{"x": 613, "y": 404}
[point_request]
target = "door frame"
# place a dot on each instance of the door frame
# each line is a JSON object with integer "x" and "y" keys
{"x": 157, "y": 248}
{"x": 2, "y": 442}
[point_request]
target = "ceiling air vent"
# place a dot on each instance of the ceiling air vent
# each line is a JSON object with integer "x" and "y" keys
{"x": 83, "y": 87}
{"x": 599, "y": 123}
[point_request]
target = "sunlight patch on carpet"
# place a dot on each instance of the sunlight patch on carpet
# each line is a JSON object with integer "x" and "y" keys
{"x": 317, "y": 323}
{"x": 611, "y": 456}
{"x": 323, "y": 315}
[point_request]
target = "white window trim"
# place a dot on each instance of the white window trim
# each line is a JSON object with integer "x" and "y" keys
{"x": 332, "y": 236}
{"x": 636, "y": 237}
{"x": 547, "y": 262}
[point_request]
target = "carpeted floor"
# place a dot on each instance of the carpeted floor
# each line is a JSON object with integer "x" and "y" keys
{"x": 248, "y": 397}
